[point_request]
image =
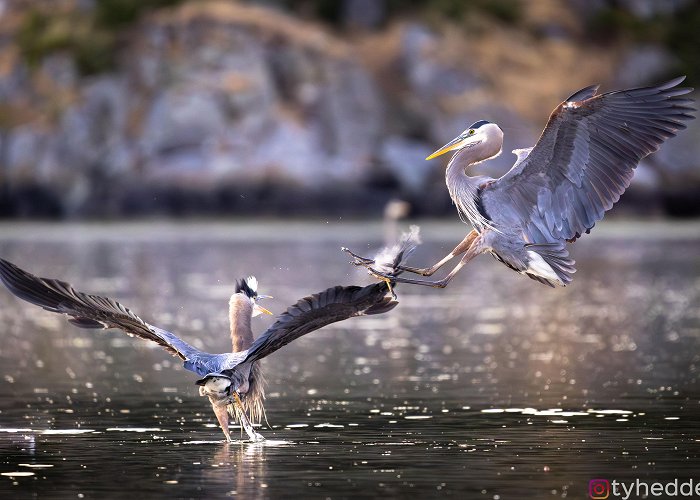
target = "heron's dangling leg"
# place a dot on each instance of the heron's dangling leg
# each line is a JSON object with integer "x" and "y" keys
{"x": 473, "y": 252}
{"x": 222, "y": 416}
{"x": 245, "y": 423}
{"x": 463, "y": 246}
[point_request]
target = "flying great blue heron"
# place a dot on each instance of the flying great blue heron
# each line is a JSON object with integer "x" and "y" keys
{"x": 558, "y": 189}
{"x": 233, "y": 381}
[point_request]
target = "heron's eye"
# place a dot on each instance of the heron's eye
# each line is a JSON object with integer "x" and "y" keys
{"x": 471, "y": 132}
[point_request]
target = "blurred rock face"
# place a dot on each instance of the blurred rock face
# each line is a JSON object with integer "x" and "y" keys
{"x": 254, "y": 102}
{"x": 213, "y": 94}
{"x": 226, "y": 94}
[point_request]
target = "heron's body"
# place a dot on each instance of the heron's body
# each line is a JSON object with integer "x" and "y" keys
{"x": 496, "y": 231}
{"x": 557, "y": 190}
{"x": 250, "y": 379}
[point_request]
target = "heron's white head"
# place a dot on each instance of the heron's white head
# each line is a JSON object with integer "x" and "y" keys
{"x": 248, "y": 289}
{"x": 482, "y": 139}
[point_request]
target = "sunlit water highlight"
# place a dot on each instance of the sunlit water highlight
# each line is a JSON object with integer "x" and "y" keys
{"x": 496, "y": 387}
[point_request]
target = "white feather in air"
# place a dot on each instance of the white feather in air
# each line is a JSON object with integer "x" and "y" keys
{"x": 386, "y": 259}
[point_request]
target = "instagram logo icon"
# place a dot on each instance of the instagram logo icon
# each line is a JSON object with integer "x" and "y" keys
{"x": 599, "y": 489}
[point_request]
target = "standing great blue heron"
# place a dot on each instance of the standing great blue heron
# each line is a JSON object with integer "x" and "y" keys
{"x": 557, "y": 190}
{"x": 232, "y": 381}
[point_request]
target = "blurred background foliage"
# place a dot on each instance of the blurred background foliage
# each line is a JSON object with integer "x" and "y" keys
{"x": 91, "y": 35}
{"x": 112, "y": 108}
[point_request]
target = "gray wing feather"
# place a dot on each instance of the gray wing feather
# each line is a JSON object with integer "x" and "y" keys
{"x": 521, "y": 155}
{"x": 88, "y": 311}
{"x": 318, "y": 310}
{"x": 307, "y": 315}
{"x": 585, "y": 159}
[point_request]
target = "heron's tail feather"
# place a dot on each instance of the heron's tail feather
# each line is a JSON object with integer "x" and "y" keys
{"x": 556, "y": 267}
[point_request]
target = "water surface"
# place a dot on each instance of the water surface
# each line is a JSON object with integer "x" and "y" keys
{"x": 496, "y": 387}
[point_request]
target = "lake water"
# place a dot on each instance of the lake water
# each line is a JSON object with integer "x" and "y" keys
{"x": 496, "y": 387}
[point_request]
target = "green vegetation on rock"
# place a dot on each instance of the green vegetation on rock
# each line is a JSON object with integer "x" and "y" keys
{"x": 90, "y": 36}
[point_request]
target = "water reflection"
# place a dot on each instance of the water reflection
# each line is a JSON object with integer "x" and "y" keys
{"x": 492, "y": 387}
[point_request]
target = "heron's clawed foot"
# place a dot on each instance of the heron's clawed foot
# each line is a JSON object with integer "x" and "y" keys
{"x": 357, "y": 260}
{"x": 243, "y": 419}
{"x": 382, "y": 276}
{"x": 255, "y": 437}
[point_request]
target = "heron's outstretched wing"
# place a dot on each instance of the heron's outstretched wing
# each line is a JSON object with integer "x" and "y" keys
{"x": 318, "y": 310}
{"x": 584, "y": 159}
{"x": 88, "y": 311}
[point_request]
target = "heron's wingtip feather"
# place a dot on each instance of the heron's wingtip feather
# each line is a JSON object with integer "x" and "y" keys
{"x": 584, "y": 93}
{"x": 385, "y": 305}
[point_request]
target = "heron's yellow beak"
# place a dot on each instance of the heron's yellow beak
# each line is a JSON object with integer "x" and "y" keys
{"x": 261, "y": 309}
{"x": 450, "y": 146}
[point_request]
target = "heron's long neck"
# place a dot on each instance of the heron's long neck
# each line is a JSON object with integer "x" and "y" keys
{"x": 464, "y": 190}
{"x": 240, "y": 310}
